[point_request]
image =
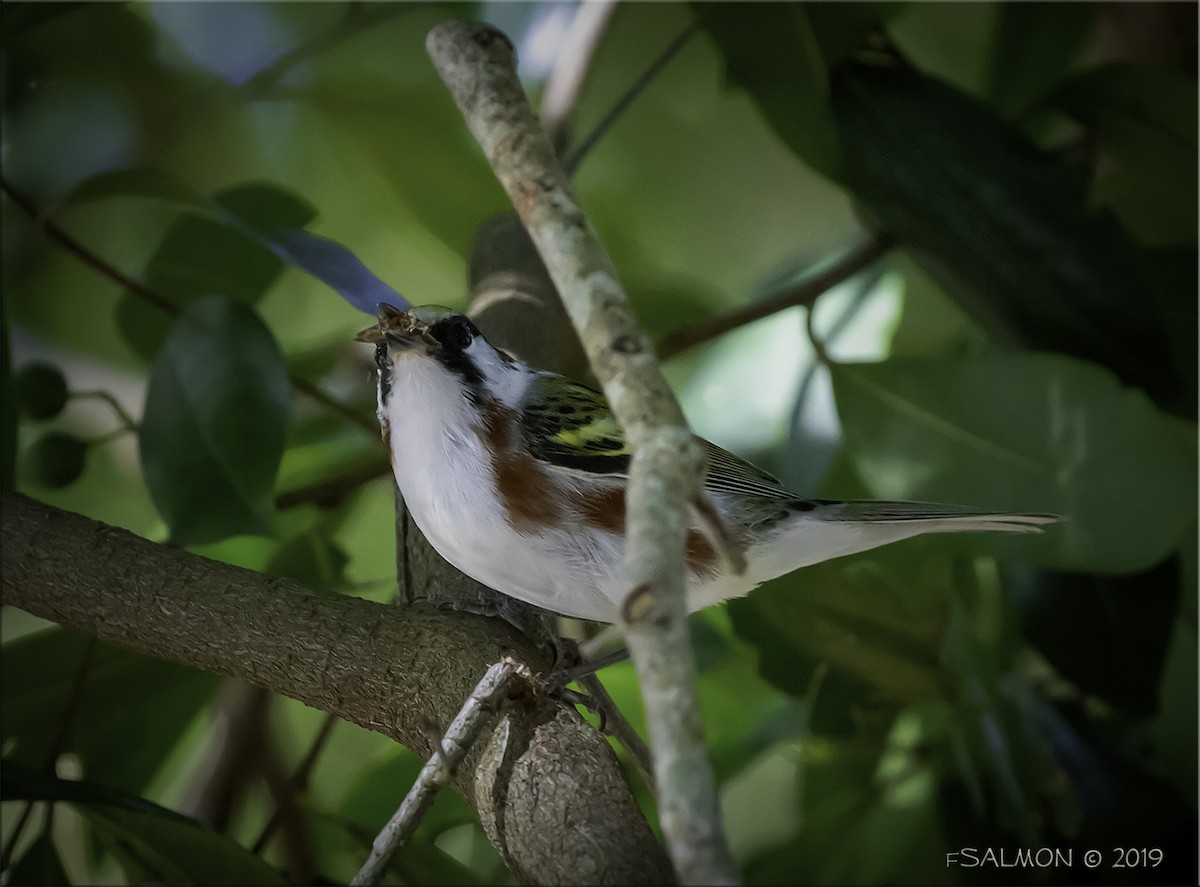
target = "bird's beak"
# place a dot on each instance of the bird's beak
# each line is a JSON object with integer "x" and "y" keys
{"x": 400, "y": 330}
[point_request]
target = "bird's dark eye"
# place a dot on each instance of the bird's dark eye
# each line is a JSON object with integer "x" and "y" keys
{"x": 456, "y": 333}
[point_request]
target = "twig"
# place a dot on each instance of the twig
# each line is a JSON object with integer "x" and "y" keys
{"x": 571, "y": 64}
{"x": 146, "y": 294}
{"x": 581, "y": 151}
{"x": 298, "y": 781}
{"x": 438, "y": 769}
{"x": 478, "y": 64}
{"x": 804, "y": 292}
{"x": 127, "y": 421}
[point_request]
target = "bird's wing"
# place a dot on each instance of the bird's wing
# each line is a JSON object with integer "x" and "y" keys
{"x": 571, "y": 426}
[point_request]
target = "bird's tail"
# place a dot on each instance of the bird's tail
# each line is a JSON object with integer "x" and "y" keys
{"x": 935, "y": 518}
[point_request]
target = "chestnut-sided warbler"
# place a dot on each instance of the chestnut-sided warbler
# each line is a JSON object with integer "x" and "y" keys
{"x": 517, "y": 477}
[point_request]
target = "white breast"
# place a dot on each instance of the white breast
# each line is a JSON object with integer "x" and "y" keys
{"x": 445, "y": 474}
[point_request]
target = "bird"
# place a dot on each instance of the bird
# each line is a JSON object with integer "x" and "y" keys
{"x": 517, "y": 477}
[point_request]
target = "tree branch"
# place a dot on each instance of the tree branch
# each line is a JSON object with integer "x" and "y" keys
{"x": 540, "y": 777}
{"x": 478, "y": 65}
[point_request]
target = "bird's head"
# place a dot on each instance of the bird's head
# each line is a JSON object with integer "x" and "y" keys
{"x": 446, "y": 338}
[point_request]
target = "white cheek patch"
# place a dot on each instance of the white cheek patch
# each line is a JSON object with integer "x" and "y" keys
{"x": 506, "y": 380}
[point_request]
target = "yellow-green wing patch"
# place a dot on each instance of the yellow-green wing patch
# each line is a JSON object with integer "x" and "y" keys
{"x": 570, "y": 425}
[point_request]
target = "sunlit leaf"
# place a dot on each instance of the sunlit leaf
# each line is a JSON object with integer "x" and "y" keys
{"x": 213, "y": 429}
{"x": 1025, "y": 432}
{"x": 152, "y": 841}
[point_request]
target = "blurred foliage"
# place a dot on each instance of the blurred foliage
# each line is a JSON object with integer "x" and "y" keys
{"x": 1031, "y": 345}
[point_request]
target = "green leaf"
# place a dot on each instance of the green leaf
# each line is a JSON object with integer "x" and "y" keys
{"x": 771, "y": 51}
{"x": 138, "y": 181}
{"x": 878, "y": 617}
{"x": 1029, "y": 432}
{"x": 150, "y": 840}
{"x": 40, "y": 864}
{"x": 213, "y": 429}
{"x": 233, "y": 243}
{"x": 213, "y": 248}
{"x": 1145, "y": 119}
{"x": 1034, "y": 47}
{"x": 1002, "y": 227}
{"x": 197, "y": 257}
{"x": 121, "y": 737}
{"x": 17, "y": 18}
{"x": 265, "y": 206}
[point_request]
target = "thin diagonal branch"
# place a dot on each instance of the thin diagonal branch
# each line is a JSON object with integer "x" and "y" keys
{"x": 445, "y": 759}
{"x": 580, "y": 152}
{"x": 147, "y": 294}
{"x": 478, "y": 64}
{"x": 805, "y": 292}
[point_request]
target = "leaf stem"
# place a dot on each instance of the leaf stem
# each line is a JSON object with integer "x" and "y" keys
{"x": 805, "y": 292}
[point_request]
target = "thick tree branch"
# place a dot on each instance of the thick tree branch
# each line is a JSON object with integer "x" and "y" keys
{"x": 478, "y": 65}
{"x": 540, "y": 778}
